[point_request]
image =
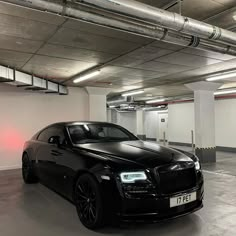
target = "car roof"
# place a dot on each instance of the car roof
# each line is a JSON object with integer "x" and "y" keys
{"x": 68, "y": 123}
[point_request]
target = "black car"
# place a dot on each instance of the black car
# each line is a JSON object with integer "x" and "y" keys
{"x": 110, "y": 174}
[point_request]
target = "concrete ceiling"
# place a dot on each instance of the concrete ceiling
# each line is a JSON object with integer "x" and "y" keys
{"x": 57, "y": 48}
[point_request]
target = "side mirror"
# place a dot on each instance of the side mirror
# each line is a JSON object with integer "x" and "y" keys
{"x": 54, "y": 140}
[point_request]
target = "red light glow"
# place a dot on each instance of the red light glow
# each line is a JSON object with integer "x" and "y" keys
{"x": 11, "y": 140}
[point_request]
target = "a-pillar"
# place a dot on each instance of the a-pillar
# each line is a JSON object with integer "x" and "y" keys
{"x": 97, "y": 103}
{"x": 204, "y": 112}
{"x": 140, "y": 124}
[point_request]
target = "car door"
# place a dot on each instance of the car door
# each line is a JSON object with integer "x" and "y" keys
{"x": 58, "y": 151}
{"x": 66, "y": 164}
{"x": 55, "y": 161}
{"x": 68, "y": 160}
{"x": 44, "y": 160}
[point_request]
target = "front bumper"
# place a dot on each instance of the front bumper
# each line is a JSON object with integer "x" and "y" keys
{"x": 158, "y": 209}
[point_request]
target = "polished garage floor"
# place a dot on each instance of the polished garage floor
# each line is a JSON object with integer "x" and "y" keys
{"x": 35, "y": 210}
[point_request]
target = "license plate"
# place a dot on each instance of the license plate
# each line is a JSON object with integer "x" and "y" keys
{"x": 183, "y": 199}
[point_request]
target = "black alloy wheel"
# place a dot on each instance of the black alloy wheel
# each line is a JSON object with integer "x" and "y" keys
{"x": 28, "y": 174}
{"x": 88, "y": 201}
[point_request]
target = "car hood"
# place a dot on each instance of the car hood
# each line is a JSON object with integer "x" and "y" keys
{"x": 143, "y": 153}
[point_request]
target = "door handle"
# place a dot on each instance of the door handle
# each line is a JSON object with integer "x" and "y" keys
{"x": 56, "y": 153}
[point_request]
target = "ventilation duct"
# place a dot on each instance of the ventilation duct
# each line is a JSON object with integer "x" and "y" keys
{"x": 30, "y": 82}
{"x": 126, "y": 7}
{"x": 160, "y": 109}
{"x": 165, "y": 19}
{"x": 119, "y": 100}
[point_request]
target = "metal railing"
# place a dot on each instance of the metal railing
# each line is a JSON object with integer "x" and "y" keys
{"x": 192, "y": 141}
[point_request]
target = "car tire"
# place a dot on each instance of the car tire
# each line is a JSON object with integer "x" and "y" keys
{"x": 28, "y": 172}
{"x": 89, "y": 202}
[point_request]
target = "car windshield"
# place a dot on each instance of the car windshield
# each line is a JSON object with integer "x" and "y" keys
{"x": 96, "y": 133}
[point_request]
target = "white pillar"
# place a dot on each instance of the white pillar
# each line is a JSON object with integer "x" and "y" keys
{"x": 140, "y": 124}
{"x": 97, "y": 103}
{"x": 109, "y": 115}
{"x": 204, "y": 112}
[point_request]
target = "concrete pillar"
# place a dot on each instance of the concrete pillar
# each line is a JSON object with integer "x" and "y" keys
{"x": 204, "y": 112}
{"x": 140, "y": 124}
{"x": 109, "y": 115}
{"x": 97, "y": 103}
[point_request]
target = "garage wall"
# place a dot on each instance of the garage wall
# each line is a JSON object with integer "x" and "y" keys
{"x": 23, "y": 114}
{"x": 151, "y": 125}
{"x": 226, "y": 123}
{"x": 181, "y": 122}
{"x": 127, "y": 120}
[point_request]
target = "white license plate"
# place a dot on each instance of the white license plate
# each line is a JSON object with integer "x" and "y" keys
{"x": 183, "y": 199}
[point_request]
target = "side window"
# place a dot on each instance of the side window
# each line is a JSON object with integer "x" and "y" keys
{"x": 52, "y": 131}
{"x": 59, "y": 131}
{"x": 45, "y": 134}
{"x": 114, "y": 132}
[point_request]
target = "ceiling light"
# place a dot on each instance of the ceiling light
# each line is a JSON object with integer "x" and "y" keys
{"x": 223, "y": 76}
{"x": 149, "y": 95}
{"x": 87, "y": 76}
{"x": 112, "y": 106}
{"x": 155, "y": 101}
{"x": 234, "y": 17}
{"x": 132, "y": 93}
{"x": 225, "y": 92}
{"x": 231, "y": 85}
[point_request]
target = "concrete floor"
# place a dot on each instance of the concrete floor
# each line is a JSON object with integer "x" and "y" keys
{"x": 36, "y": 210}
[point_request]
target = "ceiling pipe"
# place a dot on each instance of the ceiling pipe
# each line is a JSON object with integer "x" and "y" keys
{"x": 71, "y": 10}
{"x": 165, "y": 19}
{"x": 218, "y": 97}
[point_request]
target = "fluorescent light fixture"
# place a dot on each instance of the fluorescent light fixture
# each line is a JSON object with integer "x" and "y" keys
{"x": 112, "y": 106}
{"x": 155, "y": 101}
{"x": 132, "y": 93}
{"x": 223, "y": 76}
{"x": 87, "y": 76}
{"x": 225, "y": 92}
{"x": 231, "y": 85}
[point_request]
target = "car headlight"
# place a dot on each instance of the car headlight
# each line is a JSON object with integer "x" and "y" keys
{"x": 131, "y": 177}
{"x": 197, "y": 165}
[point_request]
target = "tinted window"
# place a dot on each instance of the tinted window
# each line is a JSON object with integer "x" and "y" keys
{"x": 99, "y": 133}
{"x": 52, "y": 131}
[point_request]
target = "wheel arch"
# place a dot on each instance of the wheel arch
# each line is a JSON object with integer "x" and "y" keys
{"x": 78, "y": 174}
{"x": 30, "y": 152}
{"x": 24, "y": 153}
